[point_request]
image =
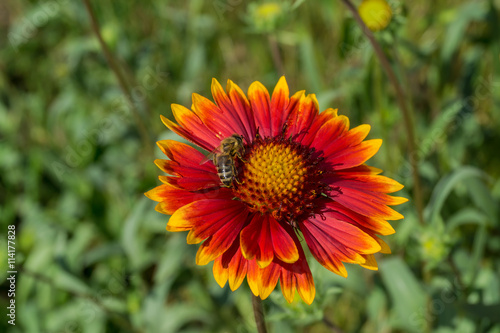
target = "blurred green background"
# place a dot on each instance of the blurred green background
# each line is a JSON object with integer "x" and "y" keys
{"x": 92, "y": 255}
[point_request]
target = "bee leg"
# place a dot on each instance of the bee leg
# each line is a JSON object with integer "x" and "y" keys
{"x": 241, "y": 157}
{"x": 235, "y": 173}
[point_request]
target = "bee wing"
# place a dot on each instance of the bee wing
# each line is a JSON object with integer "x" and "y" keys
{"x": 210, "y": 156}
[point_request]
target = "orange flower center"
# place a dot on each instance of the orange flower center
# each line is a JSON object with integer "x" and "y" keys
{"x": 279, "y": 177}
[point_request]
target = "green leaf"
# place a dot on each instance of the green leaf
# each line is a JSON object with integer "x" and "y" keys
{"x": 465, "y": 216}
{"x": 407, "y": 295}
{"x": 444, "y": 188}
{"x": 132, "y": 241}
{"x": 483, "y": 198}
{"x": 454, "y": 37}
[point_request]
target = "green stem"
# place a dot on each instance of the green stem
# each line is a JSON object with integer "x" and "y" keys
{"x": 258, "y": 312}
{"x": 113, "y": 64}
{"x": 275, "y": 53}
{"x": 407, "y": 116}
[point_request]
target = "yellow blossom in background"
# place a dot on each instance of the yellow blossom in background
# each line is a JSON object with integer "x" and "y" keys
{"x": 376, "y": 14}
{"x": 267, "y": 16}
{"x": 268, "y": 10}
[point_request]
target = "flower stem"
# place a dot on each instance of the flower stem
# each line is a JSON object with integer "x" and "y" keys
{"x": 407, "y": 116}
{"x": 275, "y": 52}
{"x": 258, "y": 312}
{"x": 113, "y": 64}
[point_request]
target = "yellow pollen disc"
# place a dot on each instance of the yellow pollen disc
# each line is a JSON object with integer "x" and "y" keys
{"x": 278, "y": 177}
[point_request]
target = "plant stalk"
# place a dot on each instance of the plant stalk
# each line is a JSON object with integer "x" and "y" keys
{"x": 113, "y": 64}
{"x": 258, "y": 312}
{"x": 275, "y": 53}
{"x": 407, "y": 116}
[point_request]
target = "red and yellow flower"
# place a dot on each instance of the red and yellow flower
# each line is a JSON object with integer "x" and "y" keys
{"x": 303, "y": 173}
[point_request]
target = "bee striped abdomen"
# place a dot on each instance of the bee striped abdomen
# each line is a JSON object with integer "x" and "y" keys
{"x": 224, "y": 156}
{"x": 225, "y": 169}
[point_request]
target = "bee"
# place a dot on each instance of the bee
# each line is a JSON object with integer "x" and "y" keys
{"x": 223, "y": 158}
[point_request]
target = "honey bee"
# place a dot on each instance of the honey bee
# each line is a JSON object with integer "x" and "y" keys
{"x": 223, "y": 158}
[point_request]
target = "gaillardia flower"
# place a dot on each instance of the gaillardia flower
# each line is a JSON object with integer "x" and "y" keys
{"x": 301, "y": 179}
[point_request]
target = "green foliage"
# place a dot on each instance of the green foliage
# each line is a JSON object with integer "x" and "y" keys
{"x": 92, "y": 255}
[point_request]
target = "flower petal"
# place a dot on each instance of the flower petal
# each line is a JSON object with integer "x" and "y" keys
{"x": 350, "y": 178}
{"x": 329, "y": 132}
{"x": 343, "y": 148}
{"x": 353, "y": 156}
{"x": 259, "y": 99}
{"x": 279, "y": 106}
{"x": 370, "y": 262}
{"x": 351, "y": 138}
{"x": 191, "y": 128}
{"x": 332, "y": 241}
{"x": 244, "y": 112}
{"x": 231, "y": 266}
{"x": 377, "y": 225}
{"x": 172, "y": 198}
{"x": 367, "y": 203}
{"x": 264, "y": 238}
{"x": 183, "y": 153}
{"x": 268, "y": 278}
{"x": 253, "y": 276}
{"x": 185, "y": 164}
{"x": 213, "y": 117}
{"x": 220, "y": 273}
{"x": 385, "y": 247}
{"x": 216, "y": 219}
{"x": 297, "y": 276}
{"x": 303, "y": 112}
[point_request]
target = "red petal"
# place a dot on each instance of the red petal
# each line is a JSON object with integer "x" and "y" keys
{"x": 191, "y": 128}
{"x": 213, "y": 117}
{"x": 342, "y": 148}
{"x": 350, "y": 138}
{"x": 319, "y": 121}
{"x": 259, "y": 99}
{"x": 215, "y": 217}
{"x": 353, "y": 156}
{"x": 297, "y": 276}
{"x": 329, "y": 132}
{"x": 284, "y": 247}
{"x": 377, "y": 225}
{"x": 253, "y": 276}
{"x": 264, "y": 238}
{"x": 183, "y": 154}
{"x": 172, "y": 198}
{"x": 244, "y": 113}
{"x": 350, "y": 178}
{"x": 185, "y": 163}
{"x": 231, "y": 266}
{"x": 371, "y": 204}
{"x": 236, "y": 108}
{"x": 302, "y": 115}
{"x": 279, "y": 106}
{"x": 268, "y": 279}
{"x": 220, "y": 273}
{"x": 237, "y": 270}
{"x": 332, "y": 241}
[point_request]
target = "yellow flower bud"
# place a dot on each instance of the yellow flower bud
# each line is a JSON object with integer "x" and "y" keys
{"x": 375, "y": 13}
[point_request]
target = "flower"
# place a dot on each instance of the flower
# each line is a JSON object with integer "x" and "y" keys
{"x": 301, "y": 176}
{"x": 266, "y": 17}
{"x": 376, "y": 14}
